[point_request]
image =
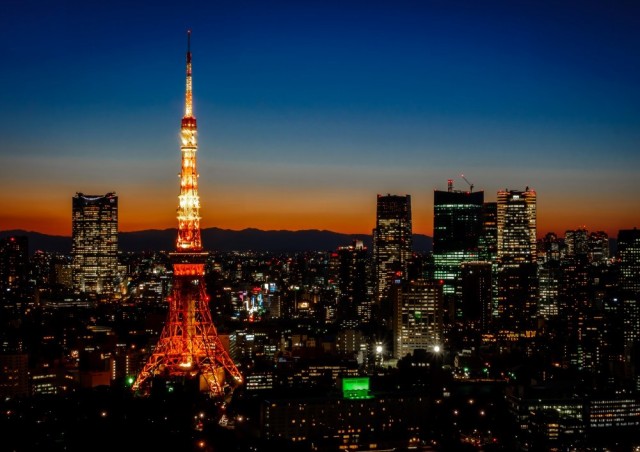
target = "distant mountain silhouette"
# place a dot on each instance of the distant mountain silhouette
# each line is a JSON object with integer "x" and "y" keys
{"x": 44, "y": 242}
{"x": 216, "y": 239}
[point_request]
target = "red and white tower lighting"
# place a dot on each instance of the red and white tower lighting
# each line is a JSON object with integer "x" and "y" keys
{"x": 189, "y": 346}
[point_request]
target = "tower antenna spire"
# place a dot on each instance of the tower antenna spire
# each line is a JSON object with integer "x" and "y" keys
{"x": 188, "y": 96}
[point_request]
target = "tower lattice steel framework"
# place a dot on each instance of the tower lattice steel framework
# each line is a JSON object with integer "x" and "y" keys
{"x": 189, "y": 346}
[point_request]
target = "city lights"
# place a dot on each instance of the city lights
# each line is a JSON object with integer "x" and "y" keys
{"x": 344, "y": 286}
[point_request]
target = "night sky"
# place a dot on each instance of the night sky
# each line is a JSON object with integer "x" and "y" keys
{"x": 308, "y": 109}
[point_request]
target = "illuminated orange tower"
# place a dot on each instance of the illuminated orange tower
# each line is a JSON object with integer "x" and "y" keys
{"x": 189, "y": 346}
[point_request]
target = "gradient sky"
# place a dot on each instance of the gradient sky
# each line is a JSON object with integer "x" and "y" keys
{"x": 308, "y": 109}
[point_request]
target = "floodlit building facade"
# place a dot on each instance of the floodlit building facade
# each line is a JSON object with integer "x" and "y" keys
{"x": 94, "y": 243}
{"x": 392, "y": 242}
{"x": 417, "y": 317}
{"x": 517, "y": 256}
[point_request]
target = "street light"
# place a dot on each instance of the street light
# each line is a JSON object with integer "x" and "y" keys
{"x": 436, "y": 356}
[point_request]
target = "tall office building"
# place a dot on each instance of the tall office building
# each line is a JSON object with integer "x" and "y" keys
{"x": 476, "y": 295}
{"x": 517, "y": 256}
{"x": 417, "y": 320}
{"x": 629, "y": 260}
{"x": 14, "y": 264}
{"x": 457, "y": 226}
{"x": 516, "y": 227}
{"x": 548, "y": 289}
{"x": 598, "y": 247}
{"x": 488, "y": 248}
{"x": 575, "y": 306}
{"x": 95, "y": 243}
{"x": 351, "y": 275}
{"x": 392, "y": 242}
{"x": 576, "y": 242}
{"x": 550, "y": 250}
{"x": 488, "y": 241}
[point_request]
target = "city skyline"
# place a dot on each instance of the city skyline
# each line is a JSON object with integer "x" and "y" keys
{"x": 302, "y": 107}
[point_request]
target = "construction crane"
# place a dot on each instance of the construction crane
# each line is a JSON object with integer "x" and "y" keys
{"x": 470, "y": 184}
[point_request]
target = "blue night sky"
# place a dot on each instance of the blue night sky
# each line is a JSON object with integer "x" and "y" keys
{"x": 306, "y": 110}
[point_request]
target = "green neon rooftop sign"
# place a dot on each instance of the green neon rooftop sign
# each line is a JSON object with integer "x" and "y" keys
{"x": 355, "y": 388}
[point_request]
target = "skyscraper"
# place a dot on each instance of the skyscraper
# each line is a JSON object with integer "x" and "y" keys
{"x": 392, "y": 242}
{"x": 629, "y": 260}
{"x": 351, "y": 272}
{"x": 475, "y": 284}
{"x": 550, "y": 249}
{"x": 95, "y": 243}
{"x": 488, "y": 241}
{"x": 577, "y": 242}
{"x": 14, "y": 264}
{"x": 516, "y": 227}
{"x": 628, "y": 257}
{"x": 457, "y": 225}
{"x": 517, "y": 256}
{"x": 598, "y": 247}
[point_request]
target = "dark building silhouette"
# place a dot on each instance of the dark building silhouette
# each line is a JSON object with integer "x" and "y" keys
{"x": 488, "y": 248}
{"x": 598, "y": 247}
{"x": 488, "y": 241}
{"x": 476, "y": 294}
{"x": 629, "y": 260}
{"x": 551, "y": 248}
{"x": 576, "y": 242}
{"x": 457, "y": 226}
{"x": 14, "y": 378}
{"x": 628, "y": 257}
{"x": 14, "y": 264}
{"x": 351, "y": 274}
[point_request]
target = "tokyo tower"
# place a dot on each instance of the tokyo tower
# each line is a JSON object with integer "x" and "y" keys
{"x": 189, "y": 346}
